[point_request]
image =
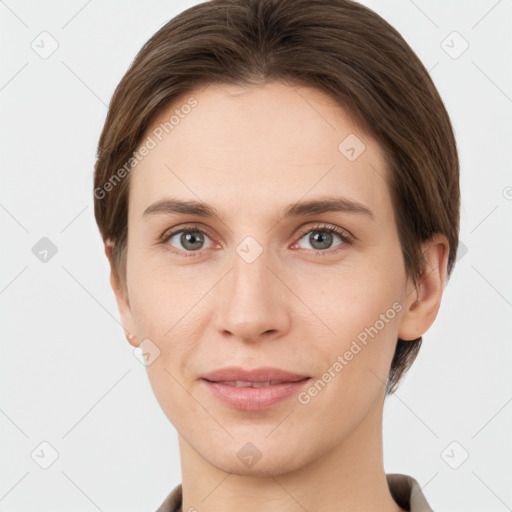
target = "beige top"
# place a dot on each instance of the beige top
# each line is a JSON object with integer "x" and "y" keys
{"x": 404, "y": 489}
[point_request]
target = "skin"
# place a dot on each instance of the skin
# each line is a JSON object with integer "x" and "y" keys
{"x": 249, "y": 152}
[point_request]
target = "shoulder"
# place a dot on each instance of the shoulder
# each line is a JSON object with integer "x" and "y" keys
{"x": 406, "y": 491}
{"x": 173, "y": 501}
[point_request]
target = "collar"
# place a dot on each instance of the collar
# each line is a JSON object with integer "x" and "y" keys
{"x": 405, "y": 490}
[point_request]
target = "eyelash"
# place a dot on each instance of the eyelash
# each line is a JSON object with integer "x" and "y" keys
{"x": 346, "y": 238}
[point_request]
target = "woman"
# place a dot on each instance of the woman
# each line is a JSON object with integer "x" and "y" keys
{"x": 280, "y": 224}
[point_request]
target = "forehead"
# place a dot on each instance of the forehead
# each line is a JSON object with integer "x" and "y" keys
{"x": 250, "y": 147}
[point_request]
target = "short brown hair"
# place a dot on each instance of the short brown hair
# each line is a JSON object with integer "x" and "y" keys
{"x": 337, "y": 46}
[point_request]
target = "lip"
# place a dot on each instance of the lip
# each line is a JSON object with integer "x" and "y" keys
{"x": 256, "y": 375}
{"x": 253, "y": 398}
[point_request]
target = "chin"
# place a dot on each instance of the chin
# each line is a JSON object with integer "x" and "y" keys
{"x": 248, "y": 459}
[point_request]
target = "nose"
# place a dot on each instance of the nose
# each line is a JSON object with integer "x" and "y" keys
{"x": 253, "y": 303}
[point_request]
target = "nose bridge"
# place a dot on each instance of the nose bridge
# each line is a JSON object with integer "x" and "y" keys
{"x": 251, "y": 300}
{"x": 250, "y": 273}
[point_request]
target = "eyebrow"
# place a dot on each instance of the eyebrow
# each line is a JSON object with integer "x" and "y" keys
{"x": 298, "y": 209}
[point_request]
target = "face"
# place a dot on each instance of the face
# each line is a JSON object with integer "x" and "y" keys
{"x": 315, "y": 292}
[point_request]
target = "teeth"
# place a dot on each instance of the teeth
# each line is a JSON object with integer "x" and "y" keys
{"x": 245, "y": 384}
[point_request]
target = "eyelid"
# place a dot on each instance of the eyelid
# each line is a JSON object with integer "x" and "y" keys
{"x": 345, "y": 235}
{"x": 182, "y": 227}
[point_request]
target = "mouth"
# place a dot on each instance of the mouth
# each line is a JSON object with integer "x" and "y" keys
{"x": 253, "y": 390}
{"x": 248, "y": 384}
{"x": 236, "y": 376}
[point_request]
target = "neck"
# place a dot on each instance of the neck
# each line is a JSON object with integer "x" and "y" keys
{"x": 350, "y": 477}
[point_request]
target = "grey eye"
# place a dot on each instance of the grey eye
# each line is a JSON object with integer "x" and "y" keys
{"x": 320, "y": 239}
{"x": 191, "y": 240}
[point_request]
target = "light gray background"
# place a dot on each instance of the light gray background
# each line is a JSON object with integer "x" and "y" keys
{"x": 69, "y": 377}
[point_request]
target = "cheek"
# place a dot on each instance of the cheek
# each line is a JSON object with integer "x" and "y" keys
{"x": 351, "y": 365}
{"x": 168, "y": 306}
{"x": 160, "y": 295}
{"x": 361, "y": 307}
{"x": 167, "y": 311}
{"x": 353, "y": 297}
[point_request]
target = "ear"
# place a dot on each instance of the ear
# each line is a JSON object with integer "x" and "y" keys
{"x": 423, "y": 300}
{"x": 122, "y": 298}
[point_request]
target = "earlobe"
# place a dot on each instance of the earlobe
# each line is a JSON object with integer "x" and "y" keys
{"x": 422, "y": 304}
{"x": 122, "y": 299}
{"x": 131, "y": 339}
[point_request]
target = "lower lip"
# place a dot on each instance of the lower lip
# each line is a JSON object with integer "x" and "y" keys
{"x": 254, "y": 399}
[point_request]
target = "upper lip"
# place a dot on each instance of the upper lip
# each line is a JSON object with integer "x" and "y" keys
{"x": 233, "y": 373}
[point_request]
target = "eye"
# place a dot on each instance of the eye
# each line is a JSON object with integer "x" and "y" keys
{"x": 321, "y": 239}
{"x": 187, "y": 239}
